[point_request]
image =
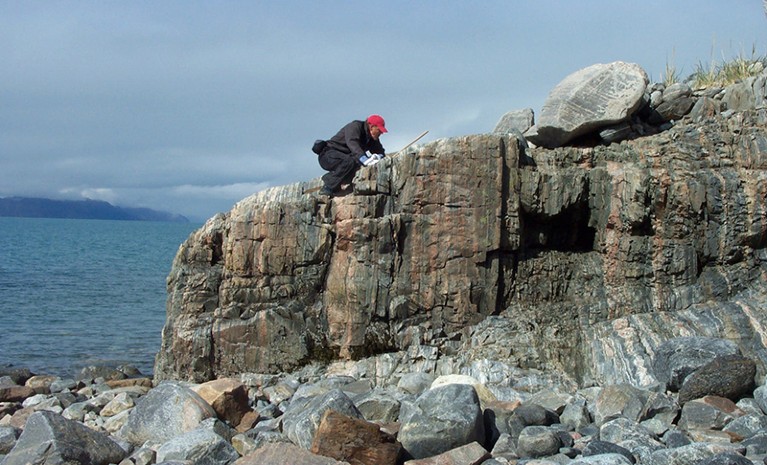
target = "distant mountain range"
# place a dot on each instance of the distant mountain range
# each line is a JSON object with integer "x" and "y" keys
{"x": 29, "y": 207}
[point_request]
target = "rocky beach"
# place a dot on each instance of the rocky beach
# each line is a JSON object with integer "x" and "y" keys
{"x": 707, "y": 412}
{"x": 587, "y": 288}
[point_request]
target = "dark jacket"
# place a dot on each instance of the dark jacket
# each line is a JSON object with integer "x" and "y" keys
{"x": 354, "y": 139}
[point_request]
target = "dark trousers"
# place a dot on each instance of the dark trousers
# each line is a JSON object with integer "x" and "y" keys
{"x": 340, "y": 166}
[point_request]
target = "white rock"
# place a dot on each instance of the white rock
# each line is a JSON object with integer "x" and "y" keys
{"x": 119, "y": 404}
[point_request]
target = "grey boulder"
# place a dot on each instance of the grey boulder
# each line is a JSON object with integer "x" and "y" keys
{"x": 756, "y": 444}
{"x": 728, "y": 458}
{"x": 705, "y": 107}
{"x": 619, "y": 400}
{"x": 441, "y": 419}
{"x": 677, "y": 358}
{"x": 415, "y": 383}
{"x": 597, "y": 96}
{"x": 285, "y": 454}
{"x": 629, "y": 435}
{"x": 748, "y": 94}
{"x": 51, "y": 439}
{"x": 676, "y": 103}
{"x": 760, "y": 397}
{"x": 515, "y": 121}
{"x": 708, "y": 413}
{"x": 730, "y": 376}
{"x": 200, "y": 446}
{"x": 672, "y": 110}
{"x": 576, "y": 414}
{"x": 167, "y": 411}
{"x": 693, "y": 454}
{"x": 538, "y": 441}
{"x": 8, "y": 437}
{"x": 597, "y": 447}
{"x": 526, "y": 415}
{"x": 747, "y": 426}
{"x": 602, "y": 459}
{"x": 378, "y": 405}
{"x": 303, "y": 416}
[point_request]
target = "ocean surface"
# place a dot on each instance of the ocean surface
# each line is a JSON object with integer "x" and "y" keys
{"x": 75, "y": 293}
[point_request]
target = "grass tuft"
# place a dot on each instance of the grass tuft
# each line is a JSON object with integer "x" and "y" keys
{"x": 670, "y": 74}
{"x": 727, "y": 72}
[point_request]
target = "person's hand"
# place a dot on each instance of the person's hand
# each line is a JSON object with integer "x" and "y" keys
{"x": 372, "y": 160}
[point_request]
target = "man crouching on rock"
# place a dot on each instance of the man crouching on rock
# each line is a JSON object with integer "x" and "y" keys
{"x": 345, "y": 152}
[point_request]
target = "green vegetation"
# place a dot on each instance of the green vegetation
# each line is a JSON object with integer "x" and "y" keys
{"x": 718, "y": 74}
{"x": 670, "y": 74}
{"x": 728, "y": 72}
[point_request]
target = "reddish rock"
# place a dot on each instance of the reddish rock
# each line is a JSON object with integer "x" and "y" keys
{"x": 282, "y": 453}
{"x": 19, "y": 417}
{"x": 41, "y": 383}
{"x": 498, "y": 413}
{"x": 504, "y": 405}
{"x": 227, "y": 396}
{"x": 725, "y": 405}
{"x": 390, "y": 428}
{"x": 118, "y": 383}
{"x": 15, "y": 393}
{"x": 248, "y": 421}
{"x": 354, "y": 440}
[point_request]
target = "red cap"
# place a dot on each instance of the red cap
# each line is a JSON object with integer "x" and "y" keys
{"x": 376, "y": 120}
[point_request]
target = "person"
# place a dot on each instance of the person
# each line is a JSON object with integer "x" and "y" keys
{"x": 346, "y": 152}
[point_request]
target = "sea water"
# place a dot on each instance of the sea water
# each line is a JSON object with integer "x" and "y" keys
{"x": 75, "y": 293}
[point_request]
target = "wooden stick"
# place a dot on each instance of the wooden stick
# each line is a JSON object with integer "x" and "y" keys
{"x": 413, "y": 142}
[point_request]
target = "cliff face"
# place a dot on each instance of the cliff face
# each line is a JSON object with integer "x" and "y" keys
{"x": 481, "y": 255}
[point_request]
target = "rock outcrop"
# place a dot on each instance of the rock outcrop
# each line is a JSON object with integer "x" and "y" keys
{"x": 479, "y": 255}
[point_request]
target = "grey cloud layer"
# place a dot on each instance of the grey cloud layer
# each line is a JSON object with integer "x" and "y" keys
{"x": 192, "y": 106}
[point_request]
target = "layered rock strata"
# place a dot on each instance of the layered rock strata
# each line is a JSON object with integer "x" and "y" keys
{"x": 574, "y": 260}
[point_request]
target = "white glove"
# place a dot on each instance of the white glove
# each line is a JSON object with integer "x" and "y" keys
{"x": 372, "y": 160}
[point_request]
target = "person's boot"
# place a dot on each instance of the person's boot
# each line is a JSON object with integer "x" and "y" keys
{"x": 326, "y": 191}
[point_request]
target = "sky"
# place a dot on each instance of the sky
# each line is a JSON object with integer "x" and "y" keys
{"x": 190, "y": 106}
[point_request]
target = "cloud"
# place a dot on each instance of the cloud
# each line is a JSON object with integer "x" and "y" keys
{"x": 230, "y": 191}
{"x": 186, "y": 106}
{"x": 105, "y": 194}
{"x": 188, "y": 200}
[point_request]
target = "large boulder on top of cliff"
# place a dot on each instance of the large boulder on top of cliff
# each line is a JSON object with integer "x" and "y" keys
{"x": 593, "y": 97}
